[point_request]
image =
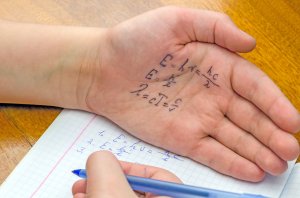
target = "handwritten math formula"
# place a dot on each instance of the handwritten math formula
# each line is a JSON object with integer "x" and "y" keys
{"x": 207, "y": 78}
{"x": 122, "y": 145}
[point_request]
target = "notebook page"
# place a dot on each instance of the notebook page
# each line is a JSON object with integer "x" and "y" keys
{"x": 46, "y": 170}
{"x": 292, "y": 187}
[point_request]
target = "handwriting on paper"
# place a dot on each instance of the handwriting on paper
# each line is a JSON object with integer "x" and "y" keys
{"x": 207, "y": 78}
{"x": 121, "y": 144}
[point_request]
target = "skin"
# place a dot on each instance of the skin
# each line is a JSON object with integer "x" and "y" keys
{"x": 101, "y": 183}
{"x": 242, "y": 128}
{"x": 236, "y": 128}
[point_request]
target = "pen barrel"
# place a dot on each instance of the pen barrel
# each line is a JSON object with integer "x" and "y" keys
{"x": 176, "y": 190}
{"x": 163, "y": 188}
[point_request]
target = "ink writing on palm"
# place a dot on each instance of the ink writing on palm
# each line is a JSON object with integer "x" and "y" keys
{"x": 177, "y": 83}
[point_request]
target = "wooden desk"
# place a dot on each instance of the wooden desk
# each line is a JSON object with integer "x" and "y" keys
{"x": 275, "y": 25}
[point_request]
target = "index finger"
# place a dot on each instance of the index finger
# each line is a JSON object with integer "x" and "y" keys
{"x": 105, "y": 177}
{"x": 105, "y": 172}
{"x": 146, "y": 171}
{"x": 254, "y": 85}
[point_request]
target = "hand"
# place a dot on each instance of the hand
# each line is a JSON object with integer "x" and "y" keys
{"x": 106, "y": 177}
{"x": 172, "y": 78}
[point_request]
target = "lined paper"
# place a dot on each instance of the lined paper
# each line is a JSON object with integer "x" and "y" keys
{"x": 292, "y": 188}
{"x": 46, "y": 170}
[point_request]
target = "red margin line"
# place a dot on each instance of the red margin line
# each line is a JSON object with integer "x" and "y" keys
{"x": 62, "y": 157}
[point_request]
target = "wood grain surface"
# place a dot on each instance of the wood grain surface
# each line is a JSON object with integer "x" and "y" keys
{"x": 275, "y": 25}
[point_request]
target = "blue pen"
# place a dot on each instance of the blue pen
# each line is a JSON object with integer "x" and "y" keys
{"x": 175, "y": 190}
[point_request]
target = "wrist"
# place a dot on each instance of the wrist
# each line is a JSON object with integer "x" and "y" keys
{"x": 85, "y": 65}
{"x": 102, "y": 86}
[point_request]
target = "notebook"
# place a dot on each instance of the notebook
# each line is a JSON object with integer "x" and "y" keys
{"x": 46, "y": 170}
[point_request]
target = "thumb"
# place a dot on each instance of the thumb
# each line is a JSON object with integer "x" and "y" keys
{"x": 214, "y": 27}
{"x": 228, "y": 35}
{"x": 106, "y": 177}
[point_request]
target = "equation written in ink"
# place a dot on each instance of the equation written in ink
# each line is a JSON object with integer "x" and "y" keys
{"x": 159, "y": 99}
{"x": 122, "y": 145}
{"x": 207, "y": 78}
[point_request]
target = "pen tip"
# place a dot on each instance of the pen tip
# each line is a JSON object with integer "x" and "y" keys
{"x": 76, "y": 172}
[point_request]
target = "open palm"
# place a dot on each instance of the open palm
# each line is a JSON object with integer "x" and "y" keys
{"x": 173, "y": 79}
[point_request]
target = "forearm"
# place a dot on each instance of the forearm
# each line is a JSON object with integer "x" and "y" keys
{"x": 47, "y": 65}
